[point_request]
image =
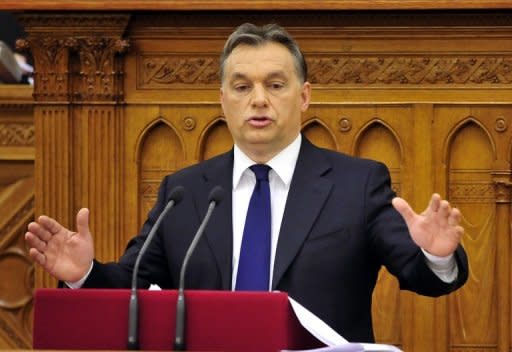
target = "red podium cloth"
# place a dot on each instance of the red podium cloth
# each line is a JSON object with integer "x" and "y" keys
{"x": 215, "y": 320}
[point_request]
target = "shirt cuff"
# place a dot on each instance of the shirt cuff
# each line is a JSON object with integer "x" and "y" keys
{"x": 79, "y": 283}
{"x": 445, "y": 268}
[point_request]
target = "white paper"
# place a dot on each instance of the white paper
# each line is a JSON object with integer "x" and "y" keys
{"x": 348, "y": 347}
{"x": 316, "y": 326}
{"x": 334, "y": 341}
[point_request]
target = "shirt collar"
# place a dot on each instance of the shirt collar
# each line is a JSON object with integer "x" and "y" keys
{"x": 283, "y": 164}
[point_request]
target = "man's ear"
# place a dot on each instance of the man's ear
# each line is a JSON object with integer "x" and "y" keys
{"x": 221, "y": 97}
{"x": 306, "y": 96}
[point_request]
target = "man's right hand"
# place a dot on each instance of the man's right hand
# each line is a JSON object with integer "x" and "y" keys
{"x": 66, "y": 255}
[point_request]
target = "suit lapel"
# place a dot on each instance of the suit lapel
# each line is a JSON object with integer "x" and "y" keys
{"x": 308, "y": 192}
{"x": 219, "y": 231}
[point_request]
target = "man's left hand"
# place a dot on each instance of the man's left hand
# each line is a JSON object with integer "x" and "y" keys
{"x": 437, "y": 229}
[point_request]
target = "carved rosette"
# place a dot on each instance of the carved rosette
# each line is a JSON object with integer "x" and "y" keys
{"x": 99, "y": 78}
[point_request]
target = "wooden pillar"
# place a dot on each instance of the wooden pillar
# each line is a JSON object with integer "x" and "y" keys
{"x": 503, "y": 194}
{"x": 78, "y": 106}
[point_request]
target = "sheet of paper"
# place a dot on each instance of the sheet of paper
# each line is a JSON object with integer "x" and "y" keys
{"x": 334, "y": 341}
{"x": 348, "y": 347}
{"x": 316, "y": 326}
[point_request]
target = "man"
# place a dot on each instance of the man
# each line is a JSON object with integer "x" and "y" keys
{"x": 333, "y": 222}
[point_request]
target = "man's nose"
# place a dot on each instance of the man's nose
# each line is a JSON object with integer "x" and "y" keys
{"x": 259, "y": 96}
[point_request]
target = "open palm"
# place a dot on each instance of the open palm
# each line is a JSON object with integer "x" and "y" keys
{"x": 65, "y": 254}
{"x": 437, "y": 229}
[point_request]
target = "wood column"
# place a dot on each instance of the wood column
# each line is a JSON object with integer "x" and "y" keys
{"x": 503, "y": 191}
{"x": 78, "y": 74}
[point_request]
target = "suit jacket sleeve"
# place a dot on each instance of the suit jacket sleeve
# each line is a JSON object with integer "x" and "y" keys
{"x": 153, "y": 266}
{"x": 403, "y": 258}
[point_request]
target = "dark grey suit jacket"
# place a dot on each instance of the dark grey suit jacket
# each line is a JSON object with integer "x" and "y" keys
{"x": 338, "y": 229}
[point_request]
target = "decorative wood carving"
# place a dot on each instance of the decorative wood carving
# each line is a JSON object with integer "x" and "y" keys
{"x": 99, "y": 77}
{"x": 171, "y": 70}
{"x": 350, "y": 69}
{"x": 17, "y": 134}
{"x": 405, "y": 70}
{"x": 51, "y": 74}
{"x": 500, "y": 125}
{"x": 422, "y": 73}
{"x": 188, "y": 123}
{"x": 345, "y": 124}
{"x": 66, "y": 24}
{"x": 463, "y": 192}
{"x": 503, "y": 191}
{"x": 16, "y": 269}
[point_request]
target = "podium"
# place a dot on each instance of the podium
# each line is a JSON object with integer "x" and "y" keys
{"x": 215, "y": 320}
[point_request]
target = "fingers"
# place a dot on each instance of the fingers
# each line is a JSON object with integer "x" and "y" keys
{"x": 434, "y": 204}
{"x": 37, "y": 256}
{"x": 82, "y": 221}
{"x": 459, "y": 231}
{"x": 446, "y": 215}
{"x": 455, "y": 217}
{"x": 49, "y": 224}
{"x": 35, "y": 242}
{"x": 404, "y": 209}
{"x": 39, "y": 231}
{"x": 444, "y": 212}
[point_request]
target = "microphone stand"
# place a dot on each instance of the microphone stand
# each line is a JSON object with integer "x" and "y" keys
{"x": 133, "y": 311}
{"x": 179, "y": 342}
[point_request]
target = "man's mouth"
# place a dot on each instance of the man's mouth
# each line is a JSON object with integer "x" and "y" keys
{"x": 259, "y": 121}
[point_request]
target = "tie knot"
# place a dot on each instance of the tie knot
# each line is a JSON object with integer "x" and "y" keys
{"x": 261, "y": 171}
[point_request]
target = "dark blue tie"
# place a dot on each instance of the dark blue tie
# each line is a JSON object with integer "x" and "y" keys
{"x": 254, "y": 264}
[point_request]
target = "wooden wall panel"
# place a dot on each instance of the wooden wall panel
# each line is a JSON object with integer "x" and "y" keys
{"x": 17, "y": 189}
{"x": 471, "y": 141}
{"x": 427, "y": 93}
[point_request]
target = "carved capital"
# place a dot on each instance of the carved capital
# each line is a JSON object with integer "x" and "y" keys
{"x": 100, "y": 75}
{"x": 96, "y": 37}
{"x": 51, "y": 57}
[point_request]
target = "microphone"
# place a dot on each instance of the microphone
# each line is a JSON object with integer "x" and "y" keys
{"x": 175, "y": 197}
{"x": 216, "y": 195}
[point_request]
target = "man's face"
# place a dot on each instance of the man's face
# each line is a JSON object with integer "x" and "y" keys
{"x": 263, "y": 99}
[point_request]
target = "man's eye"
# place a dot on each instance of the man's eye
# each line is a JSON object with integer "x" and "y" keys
{"x": 241, "y": 88}
{"x": 276, "y": 85}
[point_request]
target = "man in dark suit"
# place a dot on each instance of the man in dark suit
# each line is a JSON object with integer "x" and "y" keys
{"x": 334, "y": 218}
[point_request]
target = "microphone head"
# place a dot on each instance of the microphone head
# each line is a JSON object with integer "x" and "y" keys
{"x": 216, "y": 195}
{"x": 177, "y": 194}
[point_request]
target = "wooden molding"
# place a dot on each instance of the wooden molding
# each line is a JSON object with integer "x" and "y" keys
{"x": 171, "y": 71}
{"x": 266, "y": 5}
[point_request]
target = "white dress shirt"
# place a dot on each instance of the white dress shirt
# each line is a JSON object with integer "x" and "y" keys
{"x": 244, "y": 180}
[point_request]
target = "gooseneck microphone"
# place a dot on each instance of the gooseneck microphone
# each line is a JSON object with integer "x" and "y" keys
{"x": 175, "y": 196}
{"x": 216, "y": 195}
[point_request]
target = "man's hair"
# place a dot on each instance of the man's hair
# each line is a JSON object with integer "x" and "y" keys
{"x": 252, "y": 35}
